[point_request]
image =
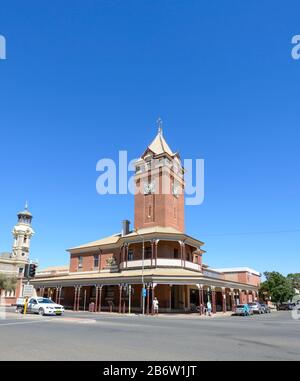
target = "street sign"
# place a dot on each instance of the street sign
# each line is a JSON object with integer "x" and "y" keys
{"x": 28, "y": 291}
{"x": 144, "y": 293}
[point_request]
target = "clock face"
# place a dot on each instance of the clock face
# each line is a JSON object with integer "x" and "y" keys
{"x": 149, "y": 188}
{"x": 175, "y": 190}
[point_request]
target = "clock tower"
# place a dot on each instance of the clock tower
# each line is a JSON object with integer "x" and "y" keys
{"x": 159, "y": 187}
{"x": 22, "y": 233}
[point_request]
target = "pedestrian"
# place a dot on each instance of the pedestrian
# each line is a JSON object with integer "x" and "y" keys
{"x": 246, "y": 310}
{"x": 155, "y": 305}
{"x": 208, "y": 308}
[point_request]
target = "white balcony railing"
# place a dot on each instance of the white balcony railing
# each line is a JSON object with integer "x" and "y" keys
{"x": 161, "y": 262}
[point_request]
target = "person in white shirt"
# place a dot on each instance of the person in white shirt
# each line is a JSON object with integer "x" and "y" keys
{"x": 155, "y": 306}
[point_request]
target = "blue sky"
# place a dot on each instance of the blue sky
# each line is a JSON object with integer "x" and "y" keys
{"x": 85, "y": 79}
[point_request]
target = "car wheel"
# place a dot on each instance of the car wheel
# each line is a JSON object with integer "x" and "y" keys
{"x": 41, "y": 312}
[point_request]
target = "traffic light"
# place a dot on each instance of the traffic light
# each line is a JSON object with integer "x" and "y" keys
{"x": 30, "y": 270}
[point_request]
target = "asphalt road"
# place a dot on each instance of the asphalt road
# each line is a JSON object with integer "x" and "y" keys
{"x": 84, "y": 336}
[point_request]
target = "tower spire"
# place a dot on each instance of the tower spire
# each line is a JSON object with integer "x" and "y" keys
{"x": 159, "y": 123}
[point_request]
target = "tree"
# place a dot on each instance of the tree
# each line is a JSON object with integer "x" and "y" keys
{"x": 7, "y": 283}
{"x": 277, "y": 286}
{"x": 295, "y": 279}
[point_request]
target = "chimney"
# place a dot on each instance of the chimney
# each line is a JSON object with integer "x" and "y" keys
{"x": 125, "y": 227}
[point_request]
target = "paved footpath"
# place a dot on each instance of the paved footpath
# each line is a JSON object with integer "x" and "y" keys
{"x": 86, "y": 336}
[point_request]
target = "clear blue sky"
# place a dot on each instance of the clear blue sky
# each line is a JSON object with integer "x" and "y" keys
{"x": 85, "y": 79}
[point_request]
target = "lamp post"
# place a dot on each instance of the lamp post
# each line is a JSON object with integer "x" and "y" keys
{"x": 143, "y": 265}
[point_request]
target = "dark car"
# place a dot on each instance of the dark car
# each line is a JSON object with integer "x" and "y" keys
{"x": 286, "y": 306}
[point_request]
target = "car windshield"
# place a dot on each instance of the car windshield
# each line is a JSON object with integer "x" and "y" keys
{"x": 253, "y": 304}
{"x": 45, "y": 300}
{"x": 240, "y": 306}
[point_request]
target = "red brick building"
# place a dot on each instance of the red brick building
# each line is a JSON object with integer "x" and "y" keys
{"x": 157, "y": 253}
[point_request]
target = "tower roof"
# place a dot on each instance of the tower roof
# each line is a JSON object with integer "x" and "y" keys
{"x": 25, "y": 212}
{"x": 159, "y": 145}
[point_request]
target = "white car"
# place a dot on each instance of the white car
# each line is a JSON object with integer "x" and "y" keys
{"x": 44, "y": 306}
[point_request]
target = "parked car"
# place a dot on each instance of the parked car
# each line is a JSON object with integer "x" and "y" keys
{"x": 266, "y": 308}
{"x": 240, "y": 310}
{"x": 256, "y": 308}
{"x": 43, "y": 306}
{"x": 286, "y": 306}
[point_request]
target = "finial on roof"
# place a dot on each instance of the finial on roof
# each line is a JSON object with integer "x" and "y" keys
{"x": 160, "y": 125}
{"x": 26, "y": 205}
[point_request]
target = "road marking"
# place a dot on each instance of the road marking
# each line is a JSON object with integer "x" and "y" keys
{"x": 24, "y": 322}
{"x": 75, "y": 320}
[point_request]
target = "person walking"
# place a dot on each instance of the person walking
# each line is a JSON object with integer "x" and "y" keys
{"x": 155, "y": 305}
{"x": 246, "y": 310}
{"x": 208, "y": 308}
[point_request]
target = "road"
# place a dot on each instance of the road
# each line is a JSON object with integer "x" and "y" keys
{"x": 85, "y": 336}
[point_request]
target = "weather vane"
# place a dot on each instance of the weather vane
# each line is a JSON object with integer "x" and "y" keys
{"x": 160, "y": 125}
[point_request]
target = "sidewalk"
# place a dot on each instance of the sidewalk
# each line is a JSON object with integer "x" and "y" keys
{"x": 159, "y": 316}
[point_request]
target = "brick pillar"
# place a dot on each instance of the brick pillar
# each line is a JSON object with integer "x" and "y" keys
{"x": 232, "y": 300}
{"x": 100, "y": 298}
{"x": 120, "y": 299}
{"x": 241, "y": 296}
{"x": 213, "y": 297}
{"x": 96, "y": 300}
{"x": 19, "y": 287}
{"x": 78, "y": 297}
{"x": 124, "y": 305}
{"x": 224, "y": 300}
{"x": 59, "y": 294}
{"x": 56, "y": 295}
{"x": 170, "y": 297}
{"x": 152, "y": 252}
{"x": 75, "y": 298}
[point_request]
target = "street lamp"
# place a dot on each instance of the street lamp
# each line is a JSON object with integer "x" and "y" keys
{"x": 143, "y": 265}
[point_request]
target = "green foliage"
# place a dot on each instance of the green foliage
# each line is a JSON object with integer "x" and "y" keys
{"x": 277, "y": 286}
{"x": 295, "y": 279}
{"x": 8, "y": 283}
